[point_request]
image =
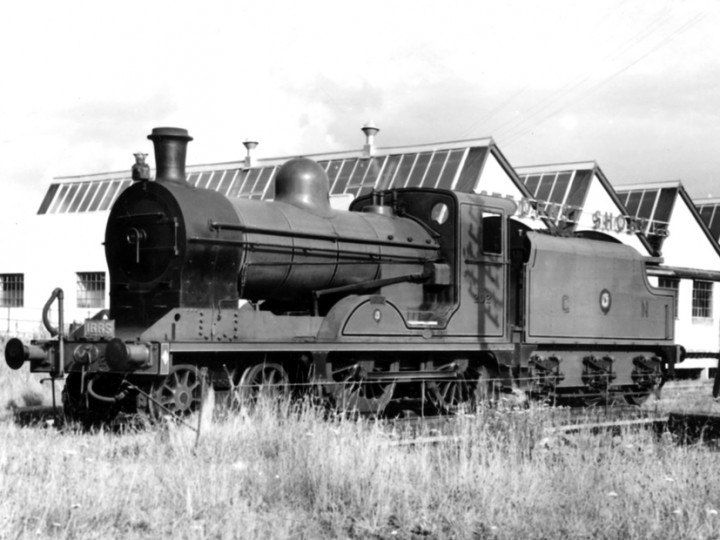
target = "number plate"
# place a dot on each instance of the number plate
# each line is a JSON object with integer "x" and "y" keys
{"x": 99, "y": 328}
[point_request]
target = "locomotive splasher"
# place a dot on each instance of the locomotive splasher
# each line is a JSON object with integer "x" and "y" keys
{"x": 413, "y": 299}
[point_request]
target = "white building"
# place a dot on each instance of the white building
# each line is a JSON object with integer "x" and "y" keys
{"x": 691, "y": 263}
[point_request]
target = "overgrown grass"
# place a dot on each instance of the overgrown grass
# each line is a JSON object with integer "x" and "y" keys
{"x": 294, "y": 474}
{"x": 290, "y": 472}
{"x": 21, "y": 388}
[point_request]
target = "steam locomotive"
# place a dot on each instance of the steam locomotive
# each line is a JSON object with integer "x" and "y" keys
{"x": 414, "y": 299}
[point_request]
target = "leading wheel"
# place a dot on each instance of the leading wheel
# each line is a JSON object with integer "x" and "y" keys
{"x": 178, "y": 394}
{"x": 82, "y": 408}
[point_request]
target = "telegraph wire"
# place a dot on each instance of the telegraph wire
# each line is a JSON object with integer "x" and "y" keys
{"x": 514, "y": 125}
{"x": 515, "y": 133}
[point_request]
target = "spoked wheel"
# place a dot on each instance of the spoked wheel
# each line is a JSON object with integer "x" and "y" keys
{"x": 263, "y": 381}
{"x": 178, "y": 394}
{"x": 453, "y": 394}
{"x": 465, "y": 388}
{"x": 354, "y": 393}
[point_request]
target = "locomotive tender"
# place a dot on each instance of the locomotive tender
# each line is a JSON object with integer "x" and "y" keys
{"x": 413, "y": 299}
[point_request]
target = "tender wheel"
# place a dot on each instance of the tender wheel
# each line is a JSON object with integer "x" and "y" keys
{"x": 453, "y": 394}
{"x": 263, "y": 381}
{"x": 179, "y": 394}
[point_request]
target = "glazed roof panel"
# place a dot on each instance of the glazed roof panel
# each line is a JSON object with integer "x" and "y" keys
{"x": 445, "y": 166}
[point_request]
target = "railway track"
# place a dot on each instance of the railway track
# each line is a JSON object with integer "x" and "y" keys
{"x": 553, "y": 420}
{"x": 687, "y": 426}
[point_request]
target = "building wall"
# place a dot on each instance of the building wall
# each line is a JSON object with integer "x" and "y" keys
{"x": 598, "y": 200}
{"x": 54, "y": 248}
{"x": 694, "y": 333}
{"x": 687, "y": 246}
{"x": 494, "y": 180}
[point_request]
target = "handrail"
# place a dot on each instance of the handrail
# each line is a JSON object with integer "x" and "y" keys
{"x": 59, "y": 331}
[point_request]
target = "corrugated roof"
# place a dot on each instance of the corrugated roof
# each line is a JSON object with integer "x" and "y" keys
{"x": 709, "y": 210}
{"x": 454, "y": 165}
{"x": 565, "y": 188}
{"x": 653, "y": 207}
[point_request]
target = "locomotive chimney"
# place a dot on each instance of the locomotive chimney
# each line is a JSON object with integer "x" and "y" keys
{"x": 170, "y": 151}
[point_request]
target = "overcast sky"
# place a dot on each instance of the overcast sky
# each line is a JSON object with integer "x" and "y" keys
{"x": 633, "y": 85}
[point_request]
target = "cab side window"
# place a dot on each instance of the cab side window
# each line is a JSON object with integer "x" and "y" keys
{"x": 492, "y": 233}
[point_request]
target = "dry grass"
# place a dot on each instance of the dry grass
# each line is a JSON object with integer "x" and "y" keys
{"x": 290, "y": 473}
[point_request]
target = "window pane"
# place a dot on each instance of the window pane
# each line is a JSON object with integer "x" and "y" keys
{"x": 237, "y": 183}
{"x": 715, "y": 224}
{"x": 261, "y": 183}
{"x": 633, "y": 203}
{"x": 356, "y": 181}
{"x": 579, "y": 188}
{"x": 226, "y": 182}
{"x": 706, "y": 213}
{"x": 471, "y": 170}
{"x": 371, "y": 175}
{"x": 648, "y": 203}
{"x": 101, "y": 191}
{"x": 192, "y": 178}
{"x": 561, "y": 185}
{"x": 531, "y": 183}
{"x": 82, "y": 190}
{"x": 48, "y": 198}
{"x": 543, "y": 191}
{"x": 406, "y": 165}
{"x": 12, "y": 290}
{"x": 388, "y": 173}
{"x": 333, "y": 168}
{"x": 91, "y": 289}
{"x": 214, "y": 181}
{"x": 89, "y": 197}
{"x": 702, "y": 299}
{"x": 343, "y": 177}
{"x": 451, "y": 169}
{"x": 492, "y": 233}
{"x": 270, "y": 190}
{"x": 110, "y": 195}
{"x": 432, "y": 177}
{"x": 419, "y": 170}
{"x": 249, "y": 182}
